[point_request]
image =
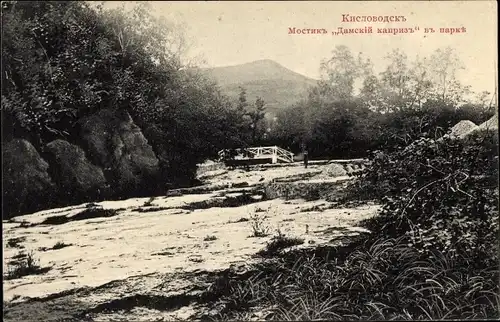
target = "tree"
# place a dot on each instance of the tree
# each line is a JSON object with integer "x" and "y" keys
{"x": 395, "y": 82}
{"x": 256, "y": 115}
{"x": 420, "y": 84}
{"x": 444, "y": 65}
{"x": 340, "y": 72}
{"x": 65, "y": 60}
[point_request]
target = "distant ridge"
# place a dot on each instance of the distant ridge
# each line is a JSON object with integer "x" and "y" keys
{"x": 279, "y": 86}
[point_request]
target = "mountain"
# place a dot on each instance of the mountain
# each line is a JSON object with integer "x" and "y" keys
{"x": 278, "y": 86}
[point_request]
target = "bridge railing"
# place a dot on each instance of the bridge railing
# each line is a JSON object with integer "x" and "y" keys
{"x": 287, "y": 155}
{"x": 274, "y": 152}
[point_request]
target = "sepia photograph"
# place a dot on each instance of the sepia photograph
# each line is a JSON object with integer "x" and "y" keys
{"x": 250, "y": 160}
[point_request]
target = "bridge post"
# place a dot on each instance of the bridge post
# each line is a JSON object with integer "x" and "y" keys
{"x": 275, "y": 155}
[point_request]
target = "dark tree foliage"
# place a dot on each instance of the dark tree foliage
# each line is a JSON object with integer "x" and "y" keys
{"x": 349, "y": 129}
{"x": 406, "y": 101}
{"x": 64, "y": 60}
{"x": 442, "y": 195}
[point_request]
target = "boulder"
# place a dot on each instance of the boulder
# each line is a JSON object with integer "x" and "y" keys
{"x": 27, "y": 185}
{"x": 462, "y": 128}
{"x": 490, "y": 125}
{"x": 74, "y": 174}
{"x": 335, "y": 170}
{"x": 117, "y": 144}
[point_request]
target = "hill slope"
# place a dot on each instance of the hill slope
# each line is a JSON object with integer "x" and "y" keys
{"x": 277, "y": 85}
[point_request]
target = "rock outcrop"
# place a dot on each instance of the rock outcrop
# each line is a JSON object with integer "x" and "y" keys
{"x": 27, "y": 185}
{"x": 462, "y": 128}
{"x": 335, "y": 170}
{"x": 74, "y": 174}
{"x": 117, "y": 144}
{"x": 466, "y": 128}
{"x": 490, "y": 125}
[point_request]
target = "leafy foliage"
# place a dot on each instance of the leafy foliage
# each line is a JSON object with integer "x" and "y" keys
{"x": 353, "y": 110}
{"x": 64, "y": 60}
{"x": 432, "y": 252}
{"x": 24, "y": 265}
{"x": 441, "y": 194}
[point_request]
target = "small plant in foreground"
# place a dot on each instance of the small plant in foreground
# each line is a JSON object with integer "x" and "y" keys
{"x": 210, "y": 238}
{"x": 15, "y": 242}
{"x": 258, "y": 224}
{"x": 26, "y": 264}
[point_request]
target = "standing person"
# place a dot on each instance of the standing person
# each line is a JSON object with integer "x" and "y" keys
{"x": 306, "y": 158}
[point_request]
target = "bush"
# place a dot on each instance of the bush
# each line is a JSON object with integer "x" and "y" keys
{"x": 64, "y": 60}
{"x": 441, "y": 194}
{"x": 432, "y": 253}
{"x": 26, "y": 264}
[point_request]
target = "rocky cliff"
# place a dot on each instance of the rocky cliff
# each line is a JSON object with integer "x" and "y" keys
{"x": 114, "y": 159}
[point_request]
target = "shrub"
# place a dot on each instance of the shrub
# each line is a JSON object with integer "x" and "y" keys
{"x": 26, "y": 264}
{"x": 442, "y": 195}
{"x": 432, "y": 253}
{"x": 258, "y": 225}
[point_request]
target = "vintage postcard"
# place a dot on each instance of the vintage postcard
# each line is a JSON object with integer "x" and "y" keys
{"x": 250, "y": 160}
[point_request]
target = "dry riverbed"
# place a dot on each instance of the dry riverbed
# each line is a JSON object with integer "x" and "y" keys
{"x": 150, "y": 258}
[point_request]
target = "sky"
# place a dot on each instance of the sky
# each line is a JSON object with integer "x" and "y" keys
{"x": 229, "y": 33}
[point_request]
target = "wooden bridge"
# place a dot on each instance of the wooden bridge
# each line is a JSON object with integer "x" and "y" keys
{"x": 257, "y": 155}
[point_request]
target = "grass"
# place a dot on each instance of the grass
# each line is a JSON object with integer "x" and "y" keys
{"x": 279, "y": 243}
{"x": 384, "y": 280}
{"x": 24, "y": 264}
{"x": 226, "y": 202}
{"x": 15, "y": 242}
{"x": 313, "y": 208}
